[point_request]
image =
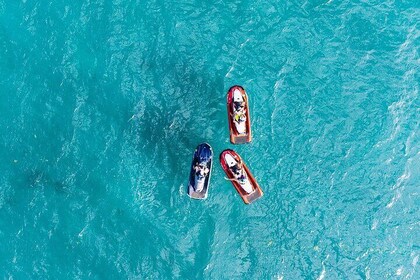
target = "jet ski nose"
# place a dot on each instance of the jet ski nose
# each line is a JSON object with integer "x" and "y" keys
{"x": 237, "y": 95}
{"x": 230, "y": 161}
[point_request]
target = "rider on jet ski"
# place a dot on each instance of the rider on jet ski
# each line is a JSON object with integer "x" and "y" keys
{"x": 238, "y": 171}
{"x": 239, "y": 105}
{"x": 201, "y": 169}
{"x": 239, "y": 111}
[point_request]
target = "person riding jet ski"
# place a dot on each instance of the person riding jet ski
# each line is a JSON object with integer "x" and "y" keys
{"x": 239, "y": 111}
{"x": 201, "y": 169}
{"x": 239, "y": 105}
{"x": 239, "y": 173}
{"x": 201, "y": 172}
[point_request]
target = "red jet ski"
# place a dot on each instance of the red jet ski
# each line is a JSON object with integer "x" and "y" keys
{"x": 240, "y": 176}
{"x": 238, "y": 115}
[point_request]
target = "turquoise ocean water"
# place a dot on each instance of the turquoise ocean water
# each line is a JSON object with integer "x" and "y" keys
{"x": 103, "y": 102}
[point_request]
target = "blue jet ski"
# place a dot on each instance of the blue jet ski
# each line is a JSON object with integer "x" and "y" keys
{"x": 200, "y": 171}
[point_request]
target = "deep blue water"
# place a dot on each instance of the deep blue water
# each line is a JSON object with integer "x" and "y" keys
{"x": 103, "y": 102}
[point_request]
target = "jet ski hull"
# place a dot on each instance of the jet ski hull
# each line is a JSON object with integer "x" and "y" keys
{"x": 202, "y": 154}
{"x": 235, "y": 136}
{"x": 246, "y": 197}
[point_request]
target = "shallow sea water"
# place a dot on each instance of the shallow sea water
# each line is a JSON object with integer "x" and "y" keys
{"x": 103, "y": 102}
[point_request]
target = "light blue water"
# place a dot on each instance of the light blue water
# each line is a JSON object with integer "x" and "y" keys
{"x": 103, "y": 102}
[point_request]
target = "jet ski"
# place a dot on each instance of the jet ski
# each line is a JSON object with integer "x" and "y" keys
{"x": 238, "y": 173}
{"x": 238, "y": 115}
{"x": 200, "y": 171}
